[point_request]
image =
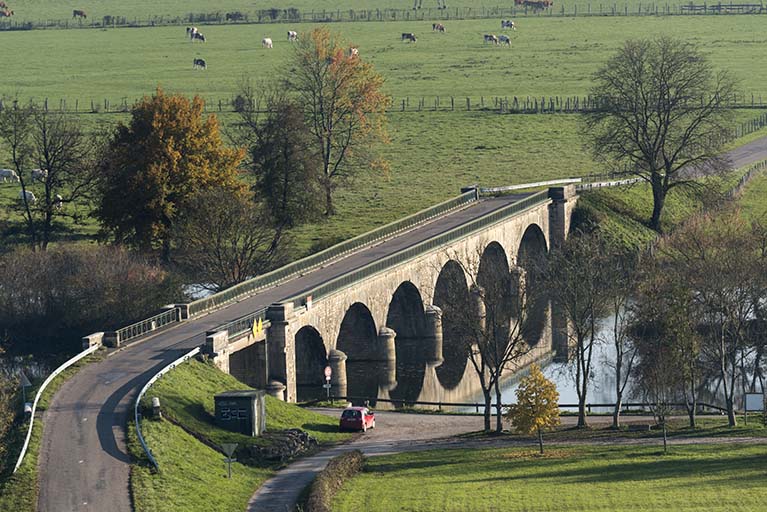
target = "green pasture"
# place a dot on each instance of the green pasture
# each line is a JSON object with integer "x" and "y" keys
{"x": 139, "y": 10}
{"x": 707, "y": 478}
{"x": 753, "y": 201}
{"x": 548, "y": 57}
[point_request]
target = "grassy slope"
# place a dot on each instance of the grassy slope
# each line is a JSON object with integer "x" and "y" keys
{"x": 18, "y": 492}
{"x": 192, "y": 475}
{"x": 711, "y": 478}
{"x": 753, "y": 202}
{"x": 549, "y": 56}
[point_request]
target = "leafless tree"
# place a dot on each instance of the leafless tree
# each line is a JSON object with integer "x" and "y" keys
{"x": 662, "y": 113}
{"x": 224, "y": 238}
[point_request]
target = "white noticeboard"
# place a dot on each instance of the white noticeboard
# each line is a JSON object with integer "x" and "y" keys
{"x": 754, "y": 402}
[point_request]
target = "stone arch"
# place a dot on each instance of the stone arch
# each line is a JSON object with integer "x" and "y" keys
{"x": 494, "y": 277}
{"x": 357, "y": 338}
{"x": 451, "y": 294}
{"x": 531, "y": 254}
{"x": 407, "y": 318}
{"x": 311, "y": 359}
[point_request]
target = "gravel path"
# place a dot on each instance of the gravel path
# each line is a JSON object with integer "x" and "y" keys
{"x": 398, "y": 432}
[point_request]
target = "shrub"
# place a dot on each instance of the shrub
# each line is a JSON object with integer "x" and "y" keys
{"x": 332, "y": 478}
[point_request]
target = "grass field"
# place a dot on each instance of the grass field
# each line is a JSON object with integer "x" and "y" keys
{"x": 548, "y": 57}
{"x": 722, "y": 478}
{"x": 753, "y": 202}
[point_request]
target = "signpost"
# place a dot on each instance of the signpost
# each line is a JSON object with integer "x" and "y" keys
{"x": 328, "y": 374}
{"x": 229, "y": 451}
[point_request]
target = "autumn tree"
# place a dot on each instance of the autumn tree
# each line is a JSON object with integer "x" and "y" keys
{"x": 225, "y": 237}
{"x": 155, "y": 164}
{"x": 343, "y": 103}
{"x": 662, "y": 114}
{"x": 537, "y": 407}
{"x": 56, "y": 145}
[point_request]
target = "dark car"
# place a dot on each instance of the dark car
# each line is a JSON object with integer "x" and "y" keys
{"x": 357, "y": 418}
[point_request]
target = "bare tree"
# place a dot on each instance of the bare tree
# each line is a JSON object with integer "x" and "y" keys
{"x": 224, "y": 238}
{"x": 496, "y": 314}
{"x": 577, "y": 281}
{"x": 57, "y": 146}
{"x": 662, "y": 113}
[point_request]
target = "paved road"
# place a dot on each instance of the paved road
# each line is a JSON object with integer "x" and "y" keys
{"x": 397, "y": 433}
{"x": 83, "y": 460}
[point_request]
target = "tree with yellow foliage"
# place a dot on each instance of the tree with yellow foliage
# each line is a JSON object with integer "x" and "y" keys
{"x": 537, "y": 406}
{"x": 342, "y": 99}
{"x": 151, "y": 168}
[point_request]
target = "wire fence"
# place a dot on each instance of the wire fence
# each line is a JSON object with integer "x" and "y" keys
{"x": 526, "y": 8}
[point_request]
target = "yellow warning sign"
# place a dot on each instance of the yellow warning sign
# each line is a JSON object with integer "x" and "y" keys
{"x": 258, "y": 327}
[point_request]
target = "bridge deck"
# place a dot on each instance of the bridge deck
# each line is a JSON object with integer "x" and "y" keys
{"x": 83, "y": 459}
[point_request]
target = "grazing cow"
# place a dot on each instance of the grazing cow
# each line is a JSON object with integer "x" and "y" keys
{"x": 39, "y": 174}
{"x": 439, "y": 27}
{"x": 198, "y": 37}
{"x": 191, "y": 32}
{"x": 77, "y": 13}
{"x": 28, "y": 195}
{"x": 353, "y": 52}
{"x": 6, "y": 13}
{"x": 409, "y": 36}
{"x": 502, "y": 39}
{"x": 490, "y": 38}
{"x": 8, "y": 174}
{"x": 267, "y": 42}
{"x": 58, "y": 202}
{"x": 508, "y": 24}
{"x": 199, "y": 64}
{"x": 292, "y": 35}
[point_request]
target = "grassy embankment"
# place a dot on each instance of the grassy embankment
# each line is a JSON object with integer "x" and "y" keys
{"x": 18, "y": 491}
{"x": 192, "y": 475}
{"x": 611, "y": 478}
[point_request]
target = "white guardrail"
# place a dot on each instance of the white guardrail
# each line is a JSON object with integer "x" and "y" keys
{"x": 47, "y": 381}
{"x": 521, "y": 186}
{"x": 146, "y": 387}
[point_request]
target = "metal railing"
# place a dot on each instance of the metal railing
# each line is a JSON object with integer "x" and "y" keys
{"x": 136, "y": 405}
{"x": 315, "y": 260}
{"x": 491, "y": 191}
{"x": 150, "y": 324}
{"x": 44, "y": 385}
{"x": 400, "y": 257}
{"x": 244, "y": 323}
{"x": 604, "y": 184}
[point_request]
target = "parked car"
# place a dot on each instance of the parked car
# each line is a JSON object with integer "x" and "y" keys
{"x": 357, "y": 418}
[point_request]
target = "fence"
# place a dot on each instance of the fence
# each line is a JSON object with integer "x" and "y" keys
{"x": 272, "y": 278}
{"x": 150, "y": 324}
{"x": 292, "y": 15}
{"x": 557, "y": 104}
{"x": 136, "y": 405}
{"x": 44, "y": 385}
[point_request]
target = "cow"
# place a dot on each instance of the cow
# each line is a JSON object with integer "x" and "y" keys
{"x": 39, "y": 174}
{"x": 292, "y": 35}
{"x": 408, "y": 36}
{"x": 6, "y": 13}
{"x": 58, "y": 202}
{"x": 508, "y": 24}
{"x": 502, "y": 39}
{"x": 198, "y": 37}
{"x": 353, "y": 52}
{"x": 490, "y": 38}
{"x": 8, "y": 174}
{"x": 191, "y": 32}
{"x": 28, "y": 196}
{"x": 199, "y": 64}
{"x": 77, "y": 13}
{"x": 267, "y": 42}
{"x": 439, "y": 27}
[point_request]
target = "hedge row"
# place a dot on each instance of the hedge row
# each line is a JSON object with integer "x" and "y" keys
{"x": 332, "y": 478}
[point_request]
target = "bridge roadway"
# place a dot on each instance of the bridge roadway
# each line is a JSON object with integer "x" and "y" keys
{"x": 84, "y": 464}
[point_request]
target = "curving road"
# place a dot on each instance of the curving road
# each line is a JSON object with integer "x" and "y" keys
{"x": 83, "y": 460}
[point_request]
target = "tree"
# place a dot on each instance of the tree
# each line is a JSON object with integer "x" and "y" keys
{"x": 576, "y": 278}
{"x": 342, "y": 99}
{"x": 537, "y": 406}
{"x": 662, "y": 112}
{"x": 155, "y": 164}
{"x": 497, "y": 315}
{"x": 224, "y": 237}
{"x": 51, "y": 141}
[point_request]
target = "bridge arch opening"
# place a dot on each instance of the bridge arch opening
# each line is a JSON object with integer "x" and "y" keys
{"x": 311, "y": 359}
{"x": 451, "y": 294}
{"x": 357, "y": 338}
{"x": 495, "y": 279}
{"x": 407, "y": 318}
{"x": 530, "y": 258}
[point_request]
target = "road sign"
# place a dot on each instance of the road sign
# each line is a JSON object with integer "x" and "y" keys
{"x": 229, "y": 451}
{"x": 258, "y": 327}
{"x": 23, "y": 380}
{"x": 327, "y": 386}
{"x": 328, "y": 372}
